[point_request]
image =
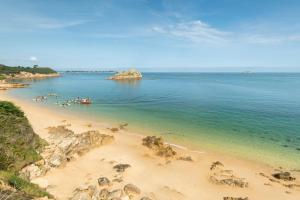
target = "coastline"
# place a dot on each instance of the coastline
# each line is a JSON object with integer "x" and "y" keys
{"x": 191, "y": 180}
{"x": 239, "y": 127}
{"x": 220, "y": 145}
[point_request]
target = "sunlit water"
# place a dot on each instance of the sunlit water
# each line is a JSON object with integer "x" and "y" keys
{"x": 256, "y": 116}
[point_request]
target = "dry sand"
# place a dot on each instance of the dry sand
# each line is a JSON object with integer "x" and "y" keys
{"x": 156, "y": 177}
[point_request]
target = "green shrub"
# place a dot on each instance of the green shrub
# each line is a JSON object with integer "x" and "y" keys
{"x": 15, "y": 70}
{"x": 22, "y": 185}
{"x": 7, "y": 107}
{"x": 2, "y": 77}
{"x": 19, "y": 145}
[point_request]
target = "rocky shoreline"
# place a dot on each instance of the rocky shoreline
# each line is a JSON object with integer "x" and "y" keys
{"x": 64, "y": 146}
{"x": 4, "y": 85}
{"x": 7, "y": 84}
{"x": 27, "y": 75}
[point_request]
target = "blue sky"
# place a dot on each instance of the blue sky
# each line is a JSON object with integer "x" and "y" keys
{"x": 163, "y": 35}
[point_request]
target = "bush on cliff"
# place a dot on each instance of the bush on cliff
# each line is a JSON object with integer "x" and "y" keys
{"x": 19, "y": 146}
{"x": 2, "y": 77}
{"x": 18, "y": 142}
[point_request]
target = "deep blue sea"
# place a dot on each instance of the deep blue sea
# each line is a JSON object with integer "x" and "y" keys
{"x": 252, "y": 115}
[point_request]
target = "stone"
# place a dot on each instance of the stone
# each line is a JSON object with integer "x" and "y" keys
{"x": 131, "y": 189}
{"x": 115, "y": 194}
{"x": 121, "y": 167}
{"x": 286, "y": 176}
{"x": 235, "y": 198}
{"x": 185, "y": 158}
{"x": 158, "y": 146}
{"x": 92, "y": 139}
{"x": 96, "y": 193}
{"x": 104, "y": 193}
{"x": 57, "y": 158}
{"x": 65, "y": 145}
{"x": 122, "y": 126}
{"x": 114, "y": 129}
{"x": 103, "y": 181}
{"x": 226, "y": 177}
{"x": 216, "y": 164}
{"x": 146, "y": 198}
{"x": 31, "y": 171}
{"x": 125, "y": 197}
{"x": 231, "y": 181}
{"x": 59, "y": 132}
{"x": 153, "y": 142}
{"x": 118, "y": 180}
{"x": 4, "y": 186}
{"x": 40, "y": 162}
{"x": 166, "y": 151}
{"x": 81, "y": 196}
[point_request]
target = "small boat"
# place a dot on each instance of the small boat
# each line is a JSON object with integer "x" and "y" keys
{"x": 40, "y": 98}
{"x": 52, "y": 94}
{"x": 85, "y": 101}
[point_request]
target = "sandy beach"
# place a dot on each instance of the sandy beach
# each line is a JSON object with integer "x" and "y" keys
{"x": 157, "y": 177}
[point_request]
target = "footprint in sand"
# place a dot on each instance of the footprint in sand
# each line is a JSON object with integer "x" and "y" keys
{"x": 170, "y": 193}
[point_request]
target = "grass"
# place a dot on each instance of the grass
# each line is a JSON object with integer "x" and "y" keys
{"x": 2, "y": 77}
{"x": 22, "y": 185}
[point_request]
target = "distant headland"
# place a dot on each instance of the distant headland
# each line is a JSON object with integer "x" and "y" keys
{"x": 8, "y": 73}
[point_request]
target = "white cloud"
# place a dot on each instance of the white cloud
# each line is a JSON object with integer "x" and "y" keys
{"x": 196, "y": 31}
{"x": 35, "y": 22}
{"x": 33, "y": 59}
{"x": 200, "y": 32}
{"x": 270, "y": 39}
{"x": 55, "y": 24}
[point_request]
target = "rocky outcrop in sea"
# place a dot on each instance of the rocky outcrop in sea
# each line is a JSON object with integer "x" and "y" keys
{"x": 131, "y": 74}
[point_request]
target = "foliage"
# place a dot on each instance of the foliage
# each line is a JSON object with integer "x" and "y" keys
{"x": 18, "y": 142}
{"x": 15, "y": 70}
{"x": 19, "y": 146}
{"x": 25, "y": 188}
{"x": 2, "y": 77}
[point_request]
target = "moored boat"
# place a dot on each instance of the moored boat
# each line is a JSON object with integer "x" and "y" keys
{"x": 85, "y": 101}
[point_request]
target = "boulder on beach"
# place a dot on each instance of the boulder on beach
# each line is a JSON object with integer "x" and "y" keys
{"x": 103, "y": 181}
{"x": 222, "y": 176}
{"x": 131, "y": 189}
{"x": 146, "y": 198}
{"x": 286, "y": 176}
{"x": 216, "y": 164}
{"x": 185, "y": 158}
{"x": 235, "y": 198}
{"x": 121, "y": 167}
{"x": 65, "y": 146}
{"x": 158, "y": 146}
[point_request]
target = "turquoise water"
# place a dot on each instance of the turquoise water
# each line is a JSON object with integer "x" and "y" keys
{"x": 256, "y": 116}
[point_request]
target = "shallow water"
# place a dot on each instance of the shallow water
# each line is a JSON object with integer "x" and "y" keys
{"x": 256, "y": 116}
